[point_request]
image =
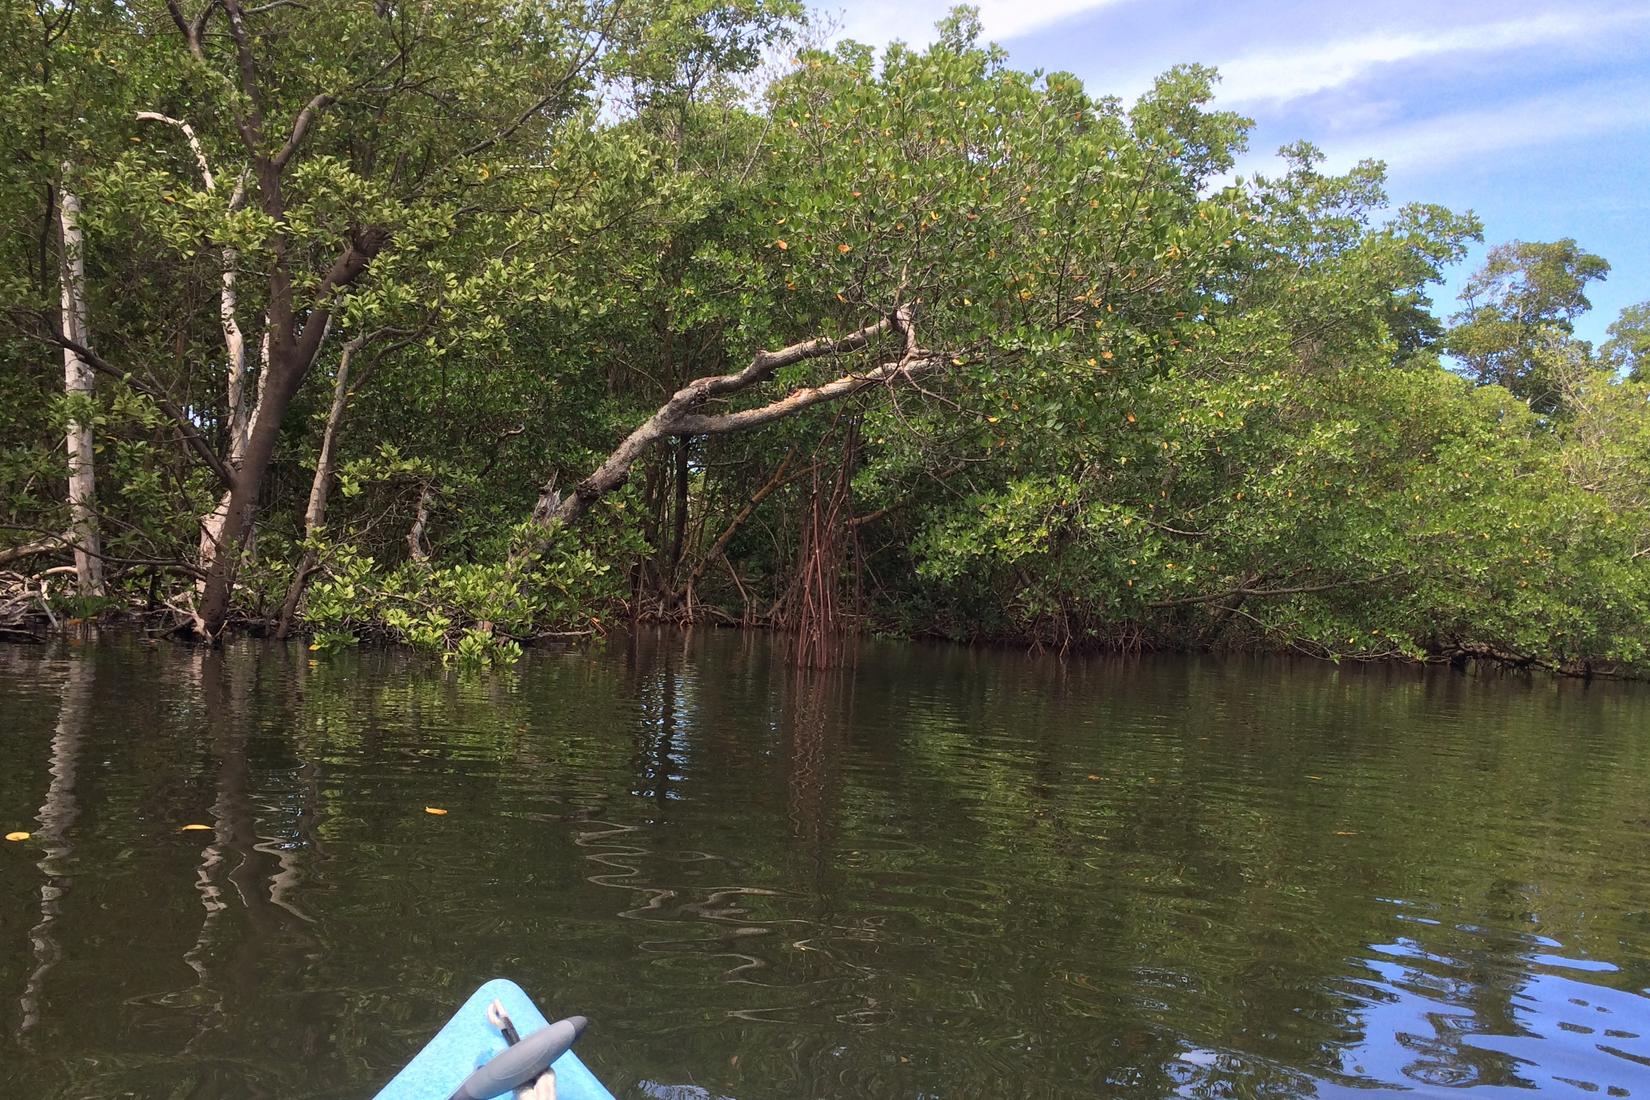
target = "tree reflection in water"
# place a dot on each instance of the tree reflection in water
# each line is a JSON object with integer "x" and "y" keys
{"x": 940, "y": 872}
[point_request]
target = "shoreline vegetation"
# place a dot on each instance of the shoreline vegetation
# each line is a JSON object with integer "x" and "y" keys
{"x": 466, "y": 328}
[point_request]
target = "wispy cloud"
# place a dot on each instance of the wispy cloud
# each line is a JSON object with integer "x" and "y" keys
{"x": 1607, "y": 108}
{"x": 1276, "y": 76}
{"x": 1002, "y": 19}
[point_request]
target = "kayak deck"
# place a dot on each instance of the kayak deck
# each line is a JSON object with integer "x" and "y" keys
{"x": 468, "y": 1040}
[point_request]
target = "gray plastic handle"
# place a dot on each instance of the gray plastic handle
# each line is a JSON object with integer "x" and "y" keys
{"x": 521, "y": 1063}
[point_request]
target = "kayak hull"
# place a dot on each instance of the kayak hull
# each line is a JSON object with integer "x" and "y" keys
{"x": 468, "y": 1040}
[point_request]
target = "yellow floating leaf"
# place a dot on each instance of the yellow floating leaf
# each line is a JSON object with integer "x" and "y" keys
{"x": 1094, "y": 778}
{"x": 1346, "y": 832}
{"x": 14, "y": 837}
{"x": 436, "y": 810}
{"x": 196, "y": 829}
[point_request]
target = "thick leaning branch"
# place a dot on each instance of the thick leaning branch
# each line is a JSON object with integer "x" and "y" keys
{"x": 799, "y": 399}
{"x": 681, "y": 415}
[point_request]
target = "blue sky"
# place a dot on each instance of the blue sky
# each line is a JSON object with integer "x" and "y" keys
{"x": 1535, "y": 115}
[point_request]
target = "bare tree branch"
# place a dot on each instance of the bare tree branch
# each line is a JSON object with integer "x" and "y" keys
{"x": 680, "y": 415}
{"x": 193, "y": 139}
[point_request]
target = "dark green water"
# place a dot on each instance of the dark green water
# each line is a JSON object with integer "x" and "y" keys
{"x": 946, "y": 873}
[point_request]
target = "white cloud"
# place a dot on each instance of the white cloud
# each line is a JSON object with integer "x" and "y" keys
{"x": 878, "y": 22}
{"x": 1587, "y": 112}
{"x": 1309, "y": 68}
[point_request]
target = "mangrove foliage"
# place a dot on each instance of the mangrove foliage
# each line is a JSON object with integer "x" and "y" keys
{"x": 461, "y": 325}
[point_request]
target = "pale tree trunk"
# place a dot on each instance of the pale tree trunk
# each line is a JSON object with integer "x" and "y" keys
{"x": 78, "y": 382}
{"x": 234, "y": 342}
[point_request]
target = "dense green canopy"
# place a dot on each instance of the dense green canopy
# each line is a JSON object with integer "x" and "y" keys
{"x": 457, "y": 325}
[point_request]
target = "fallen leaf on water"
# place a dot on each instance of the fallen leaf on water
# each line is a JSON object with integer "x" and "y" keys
{"x": 436, "y": 810}
{"x": 1093, "y": 778}
{"x": 196, "y": 829}
{"x": 1319, "y": 778}
{"x": 17, "y": 836}
{"x": 1346, "y": 832}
